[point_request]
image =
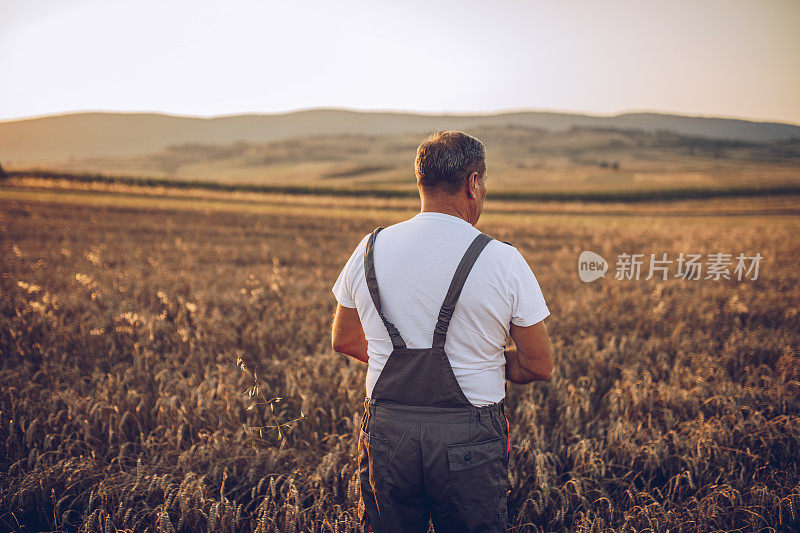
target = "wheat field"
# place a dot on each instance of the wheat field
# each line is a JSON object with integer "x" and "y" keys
{"x": 144, "y": 350}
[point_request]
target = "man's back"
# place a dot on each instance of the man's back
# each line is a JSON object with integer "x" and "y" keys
{"x": 414, "y": 263}
{"x": 435, "y": 301}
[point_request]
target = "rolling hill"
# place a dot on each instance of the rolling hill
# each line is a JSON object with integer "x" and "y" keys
{"x": 86, "y": 135}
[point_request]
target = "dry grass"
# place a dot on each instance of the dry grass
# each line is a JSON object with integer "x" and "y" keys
{"x": 673, "y": 406}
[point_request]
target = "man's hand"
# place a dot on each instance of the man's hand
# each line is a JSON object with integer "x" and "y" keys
{"x": 347, "y": 335}
{"x": 531, "y": 359}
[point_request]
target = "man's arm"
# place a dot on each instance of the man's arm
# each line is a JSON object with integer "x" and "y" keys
{"x": 347, "y": 335}
{"x": 531, "y": 359}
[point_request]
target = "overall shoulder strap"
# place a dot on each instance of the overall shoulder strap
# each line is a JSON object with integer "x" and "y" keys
{"x": 459, "y": 278}
{"x": 372, "y": 284}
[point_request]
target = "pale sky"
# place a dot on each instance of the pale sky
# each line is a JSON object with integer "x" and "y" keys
{"x": 731, "y": 58}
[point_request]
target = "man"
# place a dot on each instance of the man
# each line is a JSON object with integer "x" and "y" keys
{"x": 429, "y": 303}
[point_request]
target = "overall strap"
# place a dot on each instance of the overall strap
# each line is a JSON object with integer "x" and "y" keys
{"x": 372, "y": 284}
{"x": 459, "y": 278}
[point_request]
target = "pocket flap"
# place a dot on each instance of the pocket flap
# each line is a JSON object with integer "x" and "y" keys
{"x": 464, "y": 456}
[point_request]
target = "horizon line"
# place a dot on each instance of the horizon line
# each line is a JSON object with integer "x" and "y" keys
{"x": 507, "y": 111}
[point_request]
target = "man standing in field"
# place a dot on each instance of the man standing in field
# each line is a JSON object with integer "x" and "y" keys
{"x": 429, "y": 303}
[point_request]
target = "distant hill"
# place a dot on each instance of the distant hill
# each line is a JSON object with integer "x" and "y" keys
{"x": 90, "y": 135}
{"x": 519, "y": 158}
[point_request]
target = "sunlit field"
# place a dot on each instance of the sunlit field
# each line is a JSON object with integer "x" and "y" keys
{"x": 674, "y": 405}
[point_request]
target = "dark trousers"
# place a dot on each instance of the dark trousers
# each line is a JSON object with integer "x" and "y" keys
{"x": 449, "y": 465}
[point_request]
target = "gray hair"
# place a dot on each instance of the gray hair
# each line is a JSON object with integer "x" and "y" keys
{"x": 446, "y": 159}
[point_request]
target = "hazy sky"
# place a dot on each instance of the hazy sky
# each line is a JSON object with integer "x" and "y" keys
{"x": 737, "y": 58}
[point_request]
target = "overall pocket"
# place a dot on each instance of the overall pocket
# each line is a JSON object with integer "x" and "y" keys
{"x": 478, "y": 480}
{"x": 374, "y": 461}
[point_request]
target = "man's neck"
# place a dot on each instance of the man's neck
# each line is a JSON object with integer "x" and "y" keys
{"x": 448, "y": 208}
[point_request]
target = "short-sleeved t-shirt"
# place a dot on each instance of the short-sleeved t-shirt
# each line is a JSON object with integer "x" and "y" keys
{"x": 414, "y": 263}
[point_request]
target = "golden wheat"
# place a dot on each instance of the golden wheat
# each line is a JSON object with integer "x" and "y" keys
{"x": 674, "y": 405}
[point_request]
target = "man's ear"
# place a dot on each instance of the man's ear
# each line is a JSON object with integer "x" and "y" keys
{"x": 472, "y": 185}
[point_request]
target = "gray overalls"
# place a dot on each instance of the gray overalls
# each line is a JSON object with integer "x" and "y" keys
{"x": 424, "y": 450}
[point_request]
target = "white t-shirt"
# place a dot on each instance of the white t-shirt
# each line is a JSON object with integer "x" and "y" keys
{"x": 414, "y": 263}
